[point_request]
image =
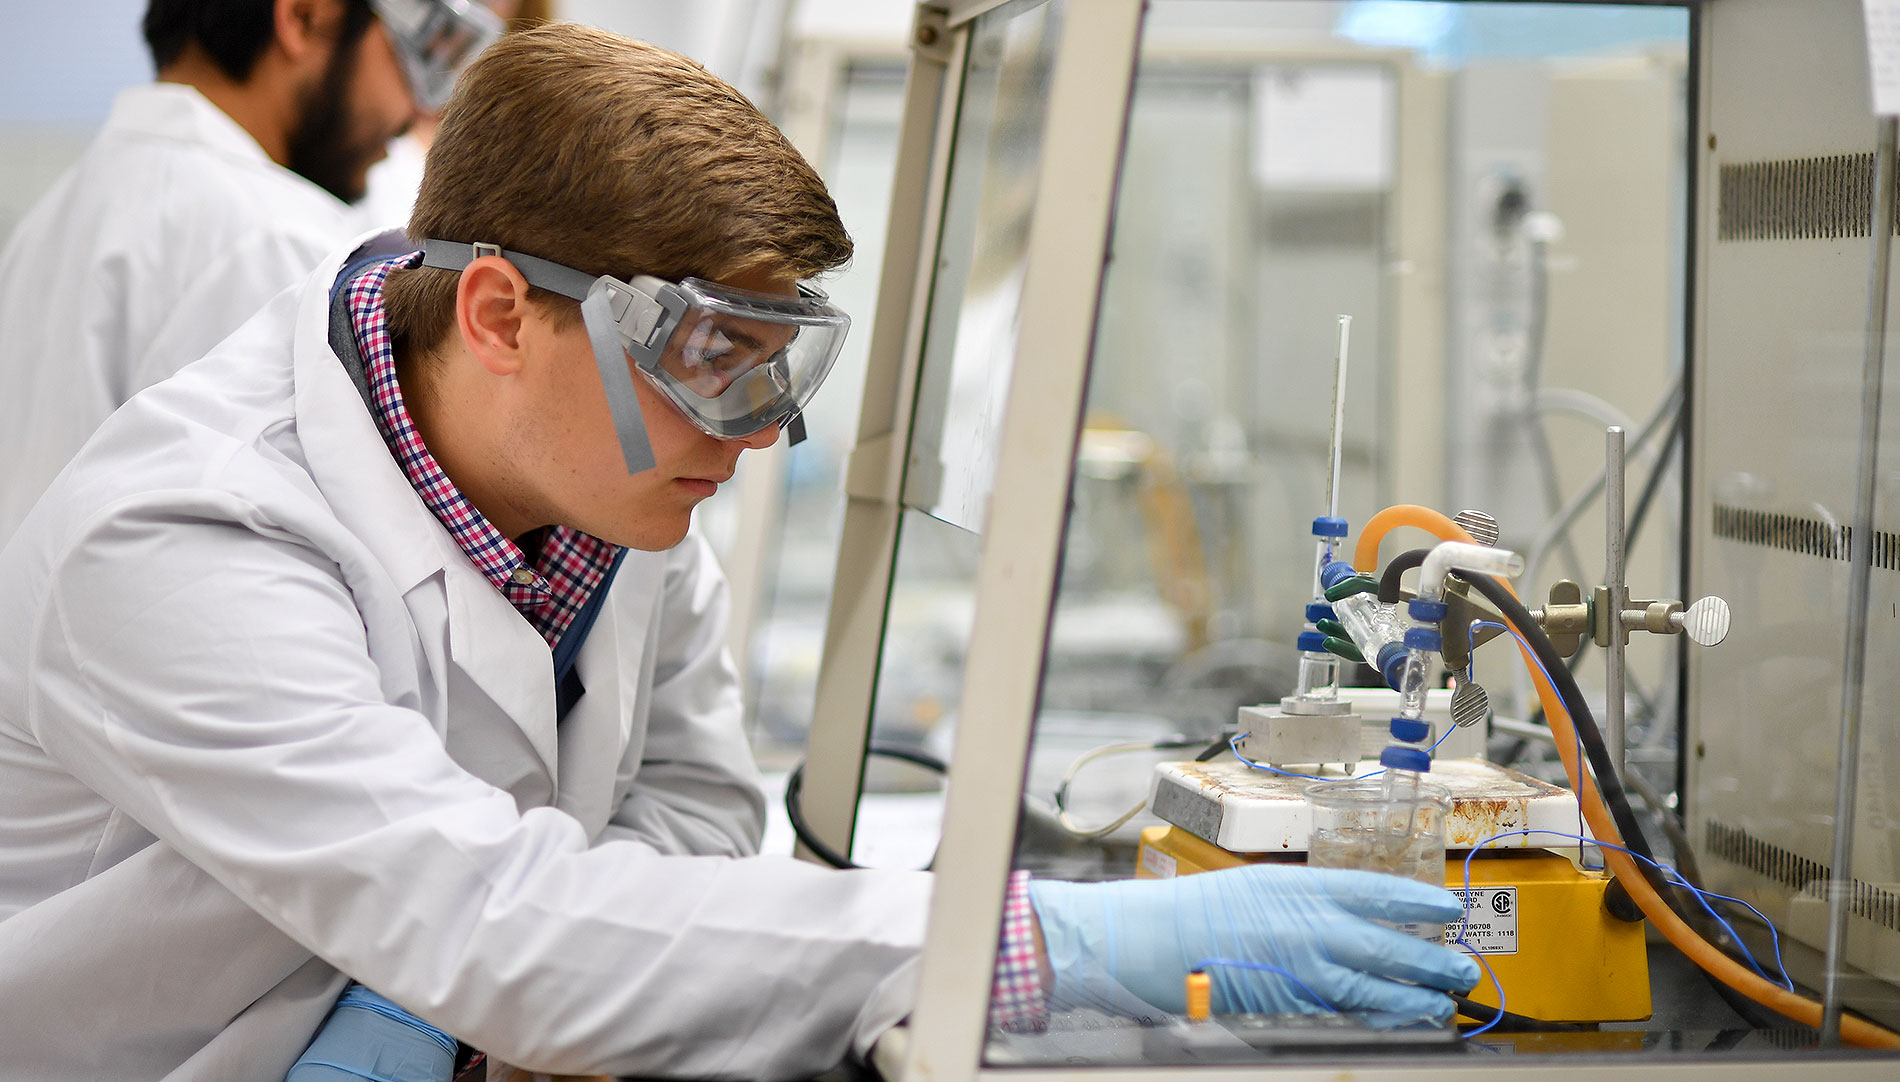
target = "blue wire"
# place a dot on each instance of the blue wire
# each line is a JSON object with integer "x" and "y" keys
{"x": 1263, "y": 967}
{"x": 1233, "y": 745}
{"x": 1488, "y": 971}
{"x": 1673, "y": 877}
{"x": 1578, "y": 733}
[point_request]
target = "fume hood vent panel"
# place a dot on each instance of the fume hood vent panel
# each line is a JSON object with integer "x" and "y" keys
{"x": 1797, "y": 199}
{"x": 1877, "y": 903}
{"x": 1802, "y": 535}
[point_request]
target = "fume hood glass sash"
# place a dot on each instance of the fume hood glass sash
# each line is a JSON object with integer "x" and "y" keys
{"x": 977, "y": 288}
{"x": 854, "y": 627}
{"x": 1066, "y": 249}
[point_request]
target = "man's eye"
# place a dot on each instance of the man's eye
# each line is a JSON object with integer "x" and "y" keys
{"x": 709, "y": 350}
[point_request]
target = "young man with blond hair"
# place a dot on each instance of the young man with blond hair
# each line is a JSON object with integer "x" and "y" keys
{"x": 377, "y": 645}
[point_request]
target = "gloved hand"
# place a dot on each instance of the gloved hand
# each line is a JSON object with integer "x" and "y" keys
{"x": 368, "y": 1037}
{"x": 1314, "y": 923}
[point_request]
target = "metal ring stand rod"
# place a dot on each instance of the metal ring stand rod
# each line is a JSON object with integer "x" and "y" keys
{"x": 1613, "y": 580}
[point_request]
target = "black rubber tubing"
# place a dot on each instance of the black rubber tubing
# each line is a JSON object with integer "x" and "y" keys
{"x": 1598, "y": 752}
{"x": 794, "y": 807}
{"x": 1394, "y": 571}
{"x": 1513, "y": 1023}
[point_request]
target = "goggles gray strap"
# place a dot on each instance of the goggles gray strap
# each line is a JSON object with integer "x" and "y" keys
{"x": 616, "y": 378}
{"x": 452, "y": 255}
{"x": 596, "y": 312}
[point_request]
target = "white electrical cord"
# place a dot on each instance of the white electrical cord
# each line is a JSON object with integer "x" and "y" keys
{"x": 1087, "y": 757}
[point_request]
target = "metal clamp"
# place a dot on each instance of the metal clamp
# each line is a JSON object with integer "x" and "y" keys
{"x": 1705, "y": 622}
{"x": 1570, "y": 616}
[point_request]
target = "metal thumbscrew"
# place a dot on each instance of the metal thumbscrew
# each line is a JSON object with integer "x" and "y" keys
{"x": 1470, "y": 704}
{"x": 1482, "y": 527}
{"x": 1705, "y": 622}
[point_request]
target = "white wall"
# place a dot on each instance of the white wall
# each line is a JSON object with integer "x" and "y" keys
{"x": 64, "y": 63}
{"x": 737, "y": 40}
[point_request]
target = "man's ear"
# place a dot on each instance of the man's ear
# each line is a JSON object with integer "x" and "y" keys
{"x": 491, "y": 302}
{"x": 306, "y": 29}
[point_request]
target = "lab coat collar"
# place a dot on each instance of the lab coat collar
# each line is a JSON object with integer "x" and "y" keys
{"x": 174, "y": 111}
{"x": 347, "y": 455}
{"x": 487, "y": 639}
{"x": 596, "y": 729}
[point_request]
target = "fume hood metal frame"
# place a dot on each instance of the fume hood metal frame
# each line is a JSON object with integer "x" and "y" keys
{"x": 1087, "y": 108}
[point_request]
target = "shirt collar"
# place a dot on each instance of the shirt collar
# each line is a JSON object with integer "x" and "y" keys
{"x": 494, "y": 554}
{"x": 571, "y": 564}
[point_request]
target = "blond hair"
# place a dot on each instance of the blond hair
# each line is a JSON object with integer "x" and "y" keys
{"x": 611, "y": 156}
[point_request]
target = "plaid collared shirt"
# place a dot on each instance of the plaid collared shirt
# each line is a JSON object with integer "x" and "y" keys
{"x": 1017, "y": 999}
{"x": 571, "y": 564}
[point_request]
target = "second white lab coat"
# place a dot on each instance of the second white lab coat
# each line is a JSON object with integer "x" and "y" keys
{"x": 261, "y": 721}
{"x": 172, "y": 229}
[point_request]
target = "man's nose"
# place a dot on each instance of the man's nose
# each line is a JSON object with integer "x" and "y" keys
{"x": 763, "y": 438}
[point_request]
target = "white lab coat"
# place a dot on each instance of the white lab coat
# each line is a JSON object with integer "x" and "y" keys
{"x": 261, "y": 721}
{"x": 171, "y": 230}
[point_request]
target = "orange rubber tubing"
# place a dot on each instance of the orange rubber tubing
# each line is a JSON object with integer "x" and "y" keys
{"x": 1854, "y": 1031}
{"x": 1365, "y": 555}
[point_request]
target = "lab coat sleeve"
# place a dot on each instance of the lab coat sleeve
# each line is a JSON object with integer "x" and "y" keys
{"x": 207, "y": 669}
{"x": 220, "y": 296}
{"x": 695, "y": 788}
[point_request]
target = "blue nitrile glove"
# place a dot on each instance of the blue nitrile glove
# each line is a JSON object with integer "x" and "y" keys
{"x": 1314, "y": 923}
{"x": 367, "y": 1036}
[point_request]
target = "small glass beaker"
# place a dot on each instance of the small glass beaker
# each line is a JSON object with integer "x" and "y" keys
{"x": 1392, "y": 822}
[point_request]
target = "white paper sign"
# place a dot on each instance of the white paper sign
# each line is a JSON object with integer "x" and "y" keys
{"x": 1883, "y": 53}
{"x": 1159, "y": 864}
{"x": 1490, "y": 919}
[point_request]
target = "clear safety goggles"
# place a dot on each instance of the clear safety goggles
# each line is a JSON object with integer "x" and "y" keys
{"x": 732, "y": 361}
{"x": 434, "y": 41}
